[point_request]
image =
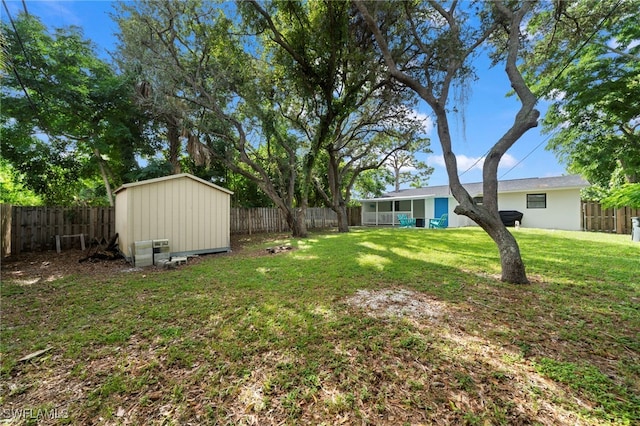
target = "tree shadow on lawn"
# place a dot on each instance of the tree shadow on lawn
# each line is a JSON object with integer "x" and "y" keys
{"x": 543, "y": 321}
{"x": 279, "y": 346}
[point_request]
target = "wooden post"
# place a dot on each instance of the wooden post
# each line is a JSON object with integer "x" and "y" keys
{"x": 620, "y": 220}
{"x": 6, "y": 229}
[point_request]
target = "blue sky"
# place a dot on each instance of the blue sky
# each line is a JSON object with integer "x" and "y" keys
{"x": 488, "y": 113}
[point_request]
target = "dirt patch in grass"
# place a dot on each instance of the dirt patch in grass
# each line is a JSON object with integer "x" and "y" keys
{"x": 397, "y": 302}
{"x": 32, "y": 268}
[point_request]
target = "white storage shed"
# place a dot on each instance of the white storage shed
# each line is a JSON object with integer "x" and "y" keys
{"x": 193, "y": 214}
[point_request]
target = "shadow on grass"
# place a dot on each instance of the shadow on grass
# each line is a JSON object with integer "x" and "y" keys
{"x": 269, "y": 339}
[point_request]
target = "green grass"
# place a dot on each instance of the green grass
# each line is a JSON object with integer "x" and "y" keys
{"x": 272, "y": 338}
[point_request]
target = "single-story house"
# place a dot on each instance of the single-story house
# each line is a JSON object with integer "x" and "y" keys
{"x": 192, "y": 214}
{"x": 551, "y": 203}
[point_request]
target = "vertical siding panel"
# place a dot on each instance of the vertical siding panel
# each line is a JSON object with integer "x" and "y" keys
{"x": 137, "y": 204}
{"x": 191, "y": 212}
{"x": 217, "y": 219}
{"x": 158, "y": 205}
{"x": 187, "y": 214}
{"x": 152, "y": 212}
{"x": 174, "y": 206}
{"x": 169, "y": 218}
{"x": 196, "y": 214}
{"x": 207, "y": 237}
{"x": 203, "y": 215}
{"x": 141, "y": 222}
{"x": 185, "y": 207}
{"x": 160, "y": 231}
{"x": 147, "y": 217}
{"x": 138, "y": 196}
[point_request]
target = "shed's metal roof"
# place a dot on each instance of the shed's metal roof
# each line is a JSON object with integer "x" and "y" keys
{"x": 178, "y": 176}
{"x": 475, "y": 189}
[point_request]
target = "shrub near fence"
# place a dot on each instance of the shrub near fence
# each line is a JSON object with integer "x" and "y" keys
{"x": 35, "y": 228}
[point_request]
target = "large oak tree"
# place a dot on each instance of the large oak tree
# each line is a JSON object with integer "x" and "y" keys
{"x": 356, "y": 116}
{"x": 429, "y": 47}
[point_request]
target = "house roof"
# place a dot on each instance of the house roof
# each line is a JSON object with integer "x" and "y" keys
{"x": 475, "y": 189}
{"x": 170, "y": 177}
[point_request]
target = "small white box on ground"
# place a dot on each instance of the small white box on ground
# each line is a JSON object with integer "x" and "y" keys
{"x": 161, "y": 251}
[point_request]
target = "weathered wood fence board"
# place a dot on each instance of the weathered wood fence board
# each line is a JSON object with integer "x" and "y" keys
{"x": 35, "y": 228}
{"x": 597, "y": 218}
{"x": 5, "y": 216}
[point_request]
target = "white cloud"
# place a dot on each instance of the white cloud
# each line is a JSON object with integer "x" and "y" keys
{"x": 556, "y": 95}
{"x": 425, "y": 119}
{"x": 471, "y": 163}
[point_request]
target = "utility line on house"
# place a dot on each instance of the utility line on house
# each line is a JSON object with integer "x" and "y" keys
{"x": 482, "y": 157}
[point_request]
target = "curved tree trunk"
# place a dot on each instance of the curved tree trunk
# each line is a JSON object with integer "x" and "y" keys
{"x": 513, "y": 268}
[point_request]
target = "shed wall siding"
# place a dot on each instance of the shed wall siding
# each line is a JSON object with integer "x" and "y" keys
{"x": 192, "y": 216}
{"x": 122, "y": 222}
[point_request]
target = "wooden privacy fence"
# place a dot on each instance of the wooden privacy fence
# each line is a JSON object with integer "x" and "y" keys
{"x": 597, "y": 218}
{"x": 264, "y": 219}
{"x": 35, "y": 228}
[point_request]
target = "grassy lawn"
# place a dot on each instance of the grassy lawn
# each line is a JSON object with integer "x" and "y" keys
{"x": 378, "y": 326}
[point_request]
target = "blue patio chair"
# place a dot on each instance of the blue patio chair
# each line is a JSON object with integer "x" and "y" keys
{"x": 438, "y": 223}
{"x": 406, "y": 221}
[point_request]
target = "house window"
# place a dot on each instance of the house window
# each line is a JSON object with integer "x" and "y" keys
{"x": 478, "y": 200}
{"x": 536, "y": 201}
{"x": 396, "y": 206}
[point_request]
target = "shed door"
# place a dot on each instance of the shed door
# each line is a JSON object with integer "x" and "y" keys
{"x": 441, "y": 206}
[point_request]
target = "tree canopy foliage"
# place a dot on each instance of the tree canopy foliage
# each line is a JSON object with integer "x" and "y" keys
{"x": 586, "y": 62}
{"x": 66, "y": 117}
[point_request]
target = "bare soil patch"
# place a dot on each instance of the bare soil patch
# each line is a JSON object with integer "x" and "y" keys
{"x": 397, "y": 302}
{"x": 30, "y": 268}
